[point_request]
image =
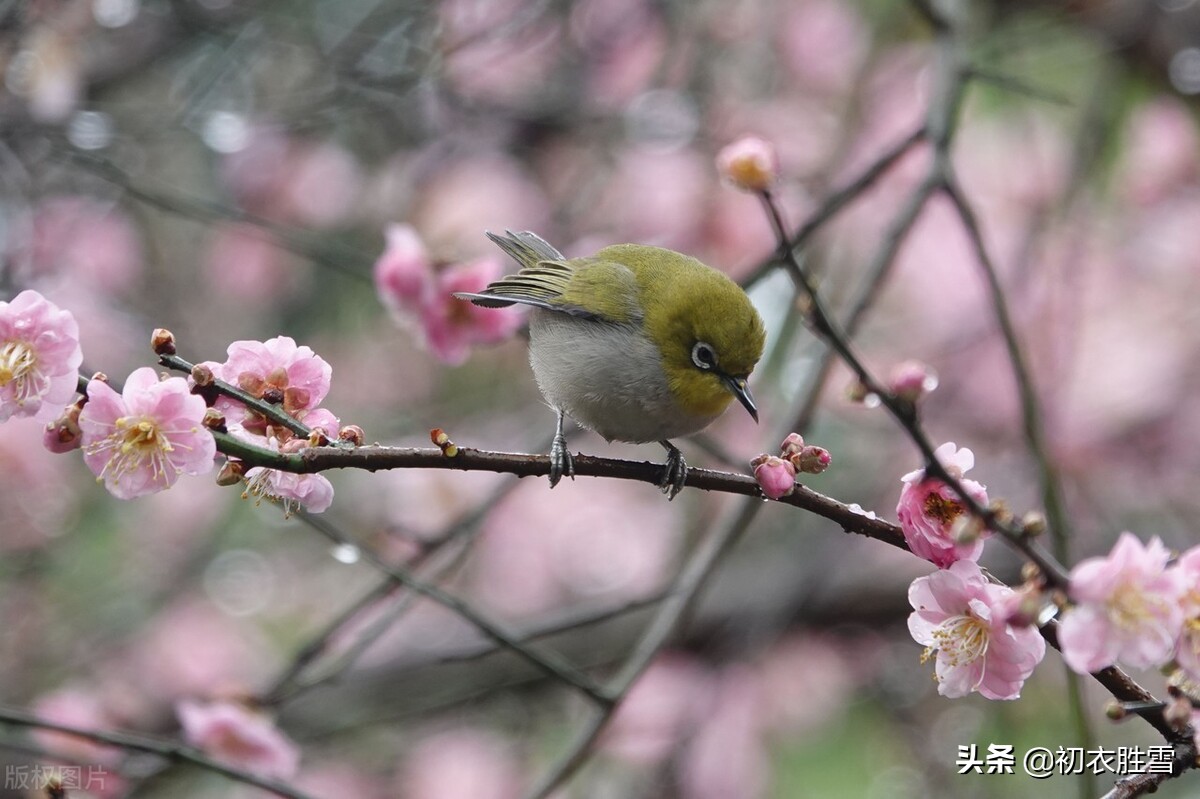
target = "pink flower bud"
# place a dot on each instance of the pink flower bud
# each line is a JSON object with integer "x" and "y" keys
{"x": 912, "y": 380}
{"x": 812, "y": 460}
{"x": 775, "y": 476}
{"x": 63, "y": 434}
{"x": 791, "y": 446}
{"x": 750, "y": 163}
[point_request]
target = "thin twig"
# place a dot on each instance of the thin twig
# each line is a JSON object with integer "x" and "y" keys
{"x": 170, "y": 750}
{"x": 683, "y": 592}
{"x": 548, "y": 662}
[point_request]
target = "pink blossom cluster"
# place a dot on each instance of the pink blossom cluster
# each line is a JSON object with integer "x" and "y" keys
{"x": 419, "y": 296}
{"x": 1134, "y": 606}
{"x": 932, "y": 516}
{"x": 776, "y": 474}
{"x": 296, "y": 380}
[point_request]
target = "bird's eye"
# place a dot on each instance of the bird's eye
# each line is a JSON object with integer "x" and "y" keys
{"x": 703, "y": 355}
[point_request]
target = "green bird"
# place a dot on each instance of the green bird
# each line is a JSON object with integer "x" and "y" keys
{"x": 636, "y": 343}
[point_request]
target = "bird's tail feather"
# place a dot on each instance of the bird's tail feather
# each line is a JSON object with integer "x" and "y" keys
{"x": 527, "y": 249}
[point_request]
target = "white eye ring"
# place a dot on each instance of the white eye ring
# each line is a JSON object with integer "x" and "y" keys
{"x": 704, "y": 356}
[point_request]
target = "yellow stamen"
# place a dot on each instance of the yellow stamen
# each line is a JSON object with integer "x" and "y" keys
{"x": 1130, "y": 607}
{"x": 136, "y": 443}
{"x": 18, "y": 364}
{"x": 962, "y": 639}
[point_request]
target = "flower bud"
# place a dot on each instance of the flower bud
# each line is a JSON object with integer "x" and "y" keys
{"x": 750, "y": 163}
{"x": 775, "y": 476}
{"x": 911, "y": 380}
{"x": 1114, "y": 710}
{"x": 1033, "y": 524}
{"x": 812, "y": 460}
{"x": 214, "y": 420}
{"x": 791, "y": 446}
{"x": 438, "y": 436}
{"x": 1178, "y": 712}
{"x": 967, "y": 529}
{"x": 63, "y": 434}
{"x": 352, "y": 434}
{"x": 162, "y": 341}
{"x": 231, "y": 473}
{"x": 202, "y": 375}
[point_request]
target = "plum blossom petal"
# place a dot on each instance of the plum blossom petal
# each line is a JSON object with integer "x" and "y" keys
{"x": 960, "y": 617}
{"x": 313, "y": 492}
{"x": 39, "y": 357}
{"x": 276, "y": 371}
{"x": 776, "y": 476}
{"x": 298, "y": 373}
{"x": 238, "y": 736}
{"x": 1128, "y": 607}
{"x": 140, "y": 441}
{"x": 1187, "y": 653}
{"x": 404, "y": 272}
{"x": 451, "y": 326}
{"x": 928, "y": 510}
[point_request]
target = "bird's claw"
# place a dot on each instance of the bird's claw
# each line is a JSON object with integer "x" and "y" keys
{"x": 674, "y": 473}
{"x": 562, "y": 463}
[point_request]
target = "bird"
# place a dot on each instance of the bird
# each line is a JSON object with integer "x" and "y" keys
{"x": 636, "y": 343}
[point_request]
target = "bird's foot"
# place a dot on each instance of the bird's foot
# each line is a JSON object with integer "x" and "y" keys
{"x": 674, "y": 472}
{"x": 562, "y": 463}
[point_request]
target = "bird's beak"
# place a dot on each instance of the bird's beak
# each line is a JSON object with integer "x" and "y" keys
{"x": 741, "y": 390}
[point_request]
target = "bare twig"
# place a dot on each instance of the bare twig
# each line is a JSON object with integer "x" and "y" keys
{"x": 170, "y": 750}
{"x": 549, "y": 663}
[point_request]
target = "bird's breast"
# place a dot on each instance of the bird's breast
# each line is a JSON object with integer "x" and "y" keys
{"x": 607, "y": 377}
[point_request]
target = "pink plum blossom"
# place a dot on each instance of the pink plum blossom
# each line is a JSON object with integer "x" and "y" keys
{"x": 776, "y": 476}
{"x": 958, "y": 615}
{"x": 1187, "y": 653}
{"x": 278, "y": 371}
{"x": 313, "y": 492}
{"x": 39, "y": 357}
{"x": 928, "y": 509}
{"x": 140, "y": 441}
{"x": 750, "y": 163}
{"x": 1127, "y": 607}
{"x": 404, "y": 272}
{"x": 238, "y": 736}
{"x": 452, "y": 325}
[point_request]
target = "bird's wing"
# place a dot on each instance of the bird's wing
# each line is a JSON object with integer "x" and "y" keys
{"x": 584, "y": 287}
